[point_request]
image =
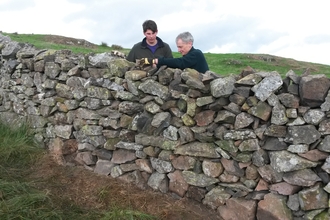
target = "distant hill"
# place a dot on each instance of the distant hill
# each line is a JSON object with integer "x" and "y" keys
{"x": 223, "y": 64}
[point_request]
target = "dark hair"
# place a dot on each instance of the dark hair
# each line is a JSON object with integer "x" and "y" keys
{"x": 149, "y": 25}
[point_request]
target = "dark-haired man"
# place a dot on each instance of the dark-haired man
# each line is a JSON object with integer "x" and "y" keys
{"x": 151, "y": 46}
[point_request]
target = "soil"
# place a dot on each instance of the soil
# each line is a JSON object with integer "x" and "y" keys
{"x": 56, "y": 39}
{"x": 89, "y": 190}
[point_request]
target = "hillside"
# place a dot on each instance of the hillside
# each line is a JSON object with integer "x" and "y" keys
{"x": 223, "y": 64}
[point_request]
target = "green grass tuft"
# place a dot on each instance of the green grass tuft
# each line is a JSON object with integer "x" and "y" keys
{"x": 20, "y": 201}
{"x": 17, "y": 146}
{"x": 126, "y": 214}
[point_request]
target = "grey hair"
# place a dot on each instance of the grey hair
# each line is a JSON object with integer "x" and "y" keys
{"x": 186, "y": 37}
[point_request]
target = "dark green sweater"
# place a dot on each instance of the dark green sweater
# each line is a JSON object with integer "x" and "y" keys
{"x": 194, "y": 59}
{"x": 140, "y": 50}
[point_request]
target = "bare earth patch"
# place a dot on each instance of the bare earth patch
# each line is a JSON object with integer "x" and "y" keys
{"x": 55, "y": 39}
{"x": 97, "y": 192}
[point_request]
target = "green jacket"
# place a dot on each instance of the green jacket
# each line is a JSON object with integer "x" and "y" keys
{"x": 140, "y": 50}
{"x": 194, "y": 59}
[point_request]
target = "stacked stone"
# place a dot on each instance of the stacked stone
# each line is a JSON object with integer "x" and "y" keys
{"x": 251, "y": 146}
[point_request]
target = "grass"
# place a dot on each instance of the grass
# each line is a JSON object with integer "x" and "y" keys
{"x": 17, "y": 146}
{"x": 19, "y": 199}
{"x": 125, "y": 214}
{"x": 234, "y": 63}
{"x": 40, "y": 42}
{"x": 223, "y": 64}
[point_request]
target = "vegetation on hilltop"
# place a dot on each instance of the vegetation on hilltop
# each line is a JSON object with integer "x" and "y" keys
{"x": 223, "y": 64}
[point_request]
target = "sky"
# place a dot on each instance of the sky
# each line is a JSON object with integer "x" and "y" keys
{"x": 297, "y": 29}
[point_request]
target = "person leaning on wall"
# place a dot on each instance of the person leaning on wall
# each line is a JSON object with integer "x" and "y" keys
{"x": 191, "y": 57}
{"x": 151, "y": 46}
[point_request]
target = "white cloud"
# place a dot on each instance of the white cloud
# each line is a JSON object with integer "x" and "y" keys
{"x": 45, "y": 17}
{"x": 227, "y": 48}
{"x": 293, "y": 29}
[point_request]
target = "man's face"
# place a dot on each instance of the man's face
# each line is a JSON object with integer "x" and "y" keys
{"x": 151, "y": 37}
{"x": 183, "y": 47}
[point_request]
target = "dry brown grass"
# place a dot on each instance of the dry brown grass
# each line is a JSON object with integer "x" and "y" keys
{"x": 88, "y": 190}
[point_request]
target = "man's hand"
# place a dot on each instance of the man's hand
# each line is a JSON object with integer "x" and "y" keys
{"x": 146, "y": 62}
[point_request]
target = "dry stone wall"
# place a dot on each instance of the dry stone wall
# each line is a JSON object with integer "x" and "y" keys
{"x": 252, "y": 146}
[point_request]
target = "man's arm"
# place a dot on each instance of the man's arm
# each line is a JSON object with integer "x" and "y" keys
{"x": 186, "y": 61}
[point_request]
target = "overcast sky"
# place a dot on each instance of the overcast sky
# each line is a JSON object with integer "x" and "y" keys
{"x": 297, "y": 29}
